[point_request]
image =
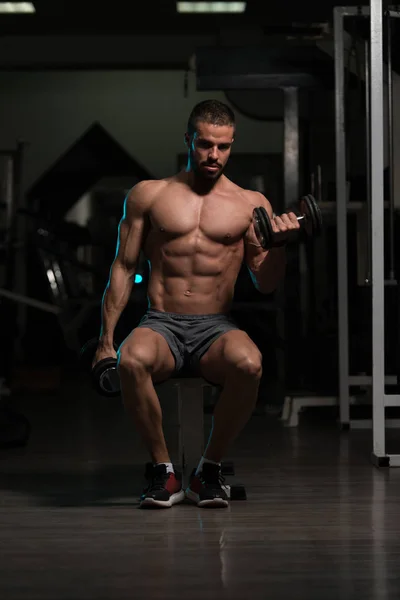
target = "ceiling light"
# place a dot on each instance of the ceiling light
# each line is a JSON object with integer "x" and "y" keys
{"x": 16, "y": 7}
{"x": 211, "y": 7}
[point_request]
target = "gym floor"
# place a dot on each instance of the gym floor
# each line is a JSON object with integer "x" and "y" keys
{"x": 319, "y": 523}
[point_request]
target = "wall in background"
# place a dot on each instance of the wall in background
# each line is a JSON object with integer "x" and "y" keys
{"x": 145, "y": 111}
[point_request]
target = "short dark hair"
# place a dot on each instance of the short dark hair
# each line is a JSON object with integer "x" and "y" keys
{"x": 210, "y": 111}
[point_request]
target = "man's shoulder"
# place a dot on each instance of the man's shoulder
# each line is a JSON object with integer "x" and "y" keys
{"x": 148, "y": 186}
{"x": 251, "y": 197}
{"x": 143, "y": 193}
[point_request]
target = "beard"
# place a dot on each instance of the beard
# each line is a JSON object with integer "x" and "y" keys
{"x": 201, "y": 171}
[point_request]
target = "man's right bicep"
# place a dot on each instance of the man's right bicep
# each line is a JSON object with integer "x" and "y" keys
{"x": 131, "y": 231}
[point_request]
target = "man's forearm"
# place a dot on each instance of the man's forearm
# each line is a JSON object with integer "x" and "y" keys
{"x": 115, "y": 299}
{"x": 270, "y": 270}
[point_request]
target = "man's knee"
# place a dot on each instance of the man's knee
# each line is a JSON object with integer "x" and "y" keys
{"x": 249, "y": 365}
{"x": 136, "y": 361}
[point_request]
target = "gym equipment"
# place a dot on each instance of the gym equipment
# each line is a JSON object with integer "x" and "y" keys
{"x": 367, "y": 157}
{"x": 105, "y": 378}
{"x": 390, "y": 141}
{"x": 227, "y": 468}
{"x": 378, "y": 382}
{"x": 237, "y": 491}
{"x": 310, "y": 218}
{"x": 22, "y": 299}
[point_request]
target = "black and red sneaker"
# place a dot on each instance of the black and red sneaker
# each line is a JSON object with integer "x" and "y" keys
{"x": 163, "y": 490}
{"x": 207, "y": 488}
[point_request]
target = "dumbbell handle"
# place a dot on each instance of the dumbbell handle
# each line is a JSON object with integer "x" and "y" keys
{"x": 299, "y": 218}
{"x": 277, "y": 243}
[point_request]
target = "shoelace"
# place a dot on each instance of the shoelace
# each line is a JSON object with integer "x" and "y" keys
{"x": 157, "y": 482}
{"x": 215, "y": 480}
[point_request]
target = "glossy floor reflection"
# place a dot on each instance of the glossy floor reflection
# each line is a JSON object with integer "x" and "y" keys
{"x": 320, "y": 522}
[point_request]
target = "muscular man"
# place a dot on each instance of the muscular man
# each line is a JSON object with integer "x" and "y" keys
{"x": 195, "y": 229}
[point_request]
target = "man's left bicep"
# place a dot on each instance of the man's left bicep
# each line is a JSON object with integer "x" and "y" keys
{"x": 265, "y": 204}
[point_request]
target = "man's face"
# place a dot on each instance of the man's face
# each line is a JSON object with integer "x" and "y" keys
{"x": 209, "y": 149}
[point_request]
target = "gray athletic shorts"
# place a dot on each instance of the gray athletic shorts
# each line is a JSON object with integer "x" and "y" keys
{"x": 188, "y": 336}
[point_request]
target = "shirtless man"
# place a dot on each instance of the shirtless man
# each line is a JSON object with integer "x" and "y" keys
{"x": 195, "y": 229}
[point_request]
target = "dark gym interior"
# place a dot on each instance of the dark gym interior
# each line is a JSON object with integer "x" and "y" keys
{"x": 94, "y": 100}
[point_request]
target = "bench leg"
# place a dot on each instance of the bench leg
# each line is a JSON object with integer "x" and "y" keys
{"x": 287, "y": 407}
{"x": 191, "y": 418}
{"x": 293, "y": 420}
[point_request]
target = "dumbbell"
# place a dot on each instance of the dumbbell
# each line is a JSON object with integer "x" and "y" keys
{"x": 237, "y": 491}
{"x": 310, "y": 218}
{"x": 228, "y": 468}
{"x": 104, "y": 374}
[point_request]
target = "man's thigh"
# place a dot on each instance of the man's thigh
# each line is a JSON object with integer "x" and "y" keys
{"x": 225, "y": 352}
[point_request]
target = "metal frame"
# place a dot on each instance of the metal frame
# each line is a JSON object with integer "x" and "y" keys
{"x": 379, "y": 399}
{"x": 14, "y": 278}
{"x": 291, "y": 145}
{"x": 341, "y": 216}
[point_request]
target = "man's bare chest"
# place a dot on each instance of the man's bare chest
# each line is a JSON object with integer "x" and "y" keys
{"x": 218, "y": 218}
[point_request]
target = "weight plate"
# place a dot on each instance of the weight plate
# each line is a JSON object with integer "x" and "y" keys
{"x": 109, "y": 381}
{"x": 312, "y": 212}
{"x": 105, "y": 378}
{"x": 257, "y": 227}
{"x": 317, "y": 214}
{"x": 263, "y": 227}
